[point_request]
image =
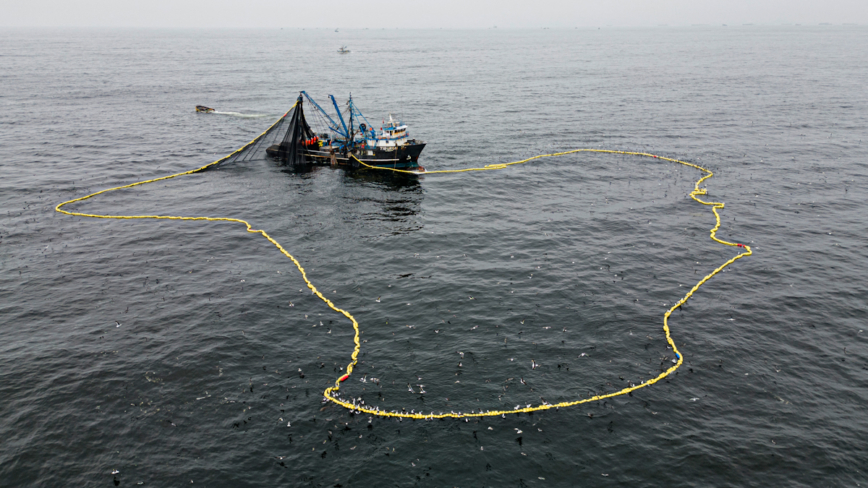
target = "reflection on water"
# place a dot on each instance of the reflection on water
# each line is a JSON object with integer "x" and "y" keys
{"x": 395, "y": 181}
{"x": 394, "y": 199}
{"x": 382, "y": 202}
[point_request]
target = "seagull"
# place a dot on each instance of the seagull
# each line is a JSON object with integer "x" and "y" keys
{"x": 533, "y": 364}
{"x": 378, "y": 300}
{"x": 522, "y": 381}
{"x": 117, "y": 324}
{"x": 114, "y": 471}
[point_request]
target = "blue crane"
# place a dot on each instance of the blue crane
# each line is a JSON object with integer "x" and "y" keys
{"x": 346, "y": 132}
{"x": 355, "y": 110}
{"x": 333, "y": 125}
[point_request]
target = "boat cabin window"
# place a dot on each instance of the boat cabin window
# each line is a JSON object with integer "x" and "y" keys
{"x": 394, "y": 132}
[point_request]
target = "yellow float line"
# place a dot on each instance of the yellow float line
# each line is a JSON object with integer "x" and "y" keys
{"x": 491, "y": 413}
{"x": 329, "y": 392}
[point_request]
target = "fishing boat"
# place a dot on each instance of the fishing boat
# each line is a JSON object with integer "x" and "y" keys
{"x": 343, "y": 142}
{"x": 343, "y": 49}
{"x": 204, "y": 109}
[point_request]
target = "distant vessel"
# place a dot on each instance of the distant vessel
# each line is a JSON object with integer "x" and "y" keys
{"x": 343, "y": 143}
{"x": 204, "y": 109}
{"x": 343, "y": 50}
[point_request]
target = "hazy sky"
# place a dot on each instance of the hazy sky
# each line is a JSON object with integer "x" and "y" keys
{"x": 425, "y": 14}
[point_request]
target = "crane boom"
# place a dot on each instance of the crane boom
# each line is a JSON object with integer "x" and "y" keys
{"x": 346, "y": 132}
{"x": 334, "y": 125}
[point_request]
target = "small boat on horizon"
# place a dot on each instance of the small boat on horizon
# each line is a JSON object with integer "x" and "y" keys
{"x": 203, "y": 109}
{"x": 343, "y": 50}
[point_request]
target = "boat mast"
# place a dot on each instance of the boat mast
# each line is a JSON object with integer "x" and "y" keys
{"x": 340, "y": 117}
{"x": 352, "y": 132}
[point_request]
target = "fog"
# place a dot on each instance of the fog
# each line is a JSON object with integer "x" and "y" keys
{"x": 410, "y": 14}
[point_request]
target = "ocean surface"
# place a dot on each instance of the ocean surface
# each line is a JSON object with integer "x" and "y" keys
{"x": 180, "y": 353}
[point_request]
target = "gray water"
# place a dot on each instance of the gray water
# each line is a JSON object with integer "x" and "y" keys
{"x": 570, "y": 262}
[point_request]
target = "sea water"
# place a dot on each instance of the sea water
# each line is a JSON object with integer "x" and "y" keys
{"x": 178, "y": 352}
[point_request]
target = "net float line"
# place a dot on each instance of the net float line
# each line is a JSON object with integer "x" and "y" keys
{"x": 330, "y": 392}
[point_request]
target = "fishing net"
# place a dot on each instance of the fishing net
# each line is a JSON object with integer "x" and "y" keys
{"x": 297, "y": 139}
{"x": 287, "y": 141}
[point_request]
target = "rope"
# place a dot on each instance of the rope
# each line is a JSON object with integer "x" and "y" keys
{"x": 330, "y": 393}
